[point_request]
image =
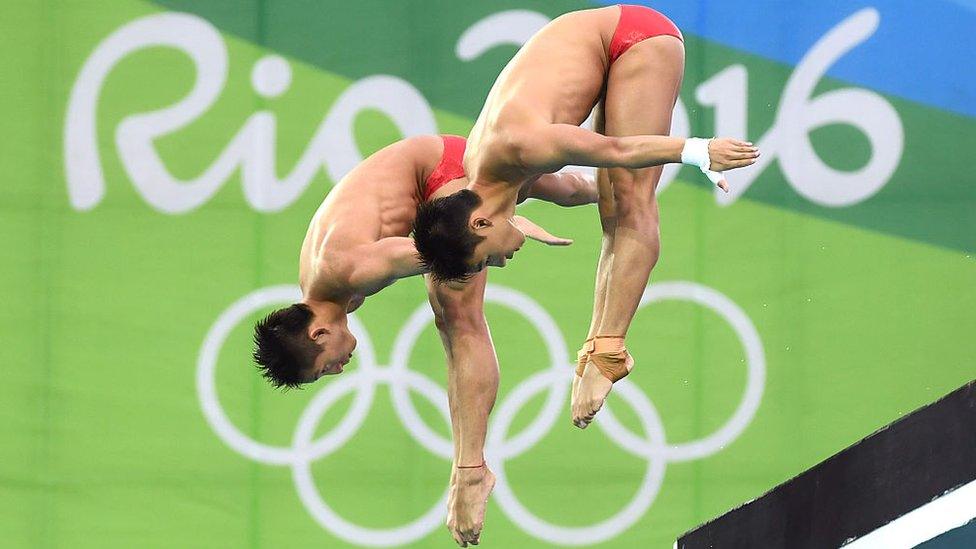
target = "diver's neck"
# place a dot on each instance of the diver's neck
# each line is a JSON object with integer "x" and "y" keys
{"x": 496, "y": 199}
{"x": 329, "y": 311}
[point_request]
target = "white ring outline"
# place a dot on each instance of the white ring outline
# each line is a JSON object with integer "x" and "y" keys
{"x": 755, "y": 374}
{"x": 309, "y": 492}
{"x": 400, "y": 378}
{"x": 608, "y": 528}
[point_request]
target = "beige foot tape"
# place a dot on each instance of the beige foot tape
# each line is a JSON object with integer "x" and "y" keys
{"x": 611, "y": 357}
{"x": 583, "y": 356}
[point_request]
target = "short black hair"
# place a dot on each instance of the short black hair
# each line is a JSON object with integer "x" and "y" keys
{"x": 443, "y": 239}
{"x": 282, "y": 349}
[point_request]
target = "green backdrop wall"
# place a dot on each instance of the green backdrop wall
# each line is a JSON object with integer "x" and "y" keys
{"x": 161, "y": 162}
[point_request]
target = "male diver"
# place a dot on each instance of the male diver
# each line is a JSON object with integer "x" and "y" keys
{"x": 357, "y": 243}
{"x": 628, "y": 61}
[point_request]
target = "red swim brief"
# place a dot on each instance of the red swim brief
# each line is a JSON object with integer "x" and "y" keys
{"x": 449, "y": 168}
{"x": 636, "y": 24}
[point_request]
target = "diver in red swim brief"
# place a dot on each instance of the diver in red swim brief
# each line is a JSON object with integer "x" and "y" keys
{"x": 628, "y": 61}
{"x": 450, "y": 166}
{"x": 637, "y": 24}
{"x": 357, "y": 244}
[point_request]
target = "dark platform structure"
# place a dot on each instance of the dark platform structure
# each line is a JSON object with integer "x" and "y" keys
{"x": 909, "y": 484}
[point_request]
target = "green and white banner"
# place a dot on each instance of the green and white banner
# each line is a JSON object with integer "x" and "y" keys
{"x": 161, "y": 161}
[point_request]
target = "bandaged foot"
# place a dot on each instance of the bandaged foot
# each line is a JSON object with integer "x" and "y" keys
{"x": 467, "y": 501}
{"x": 607, "y": 363}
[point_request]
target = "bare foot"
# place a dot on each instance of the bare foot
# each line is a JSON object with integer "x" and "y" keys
{"x": 467, "y": 502}
{"x": 591, "y": 393}
{"x": 451, "y": 497}
{"x": 582, "y": 357}
{"x": 572, "y": 401}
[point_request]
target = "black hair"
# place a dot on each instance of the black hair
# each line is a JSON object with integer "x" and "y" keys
{"x": 443, "y": 238}
{"x": 282, "y": 349}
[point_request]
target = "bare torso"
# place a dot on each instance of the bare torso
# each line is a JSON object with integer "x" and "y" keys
{"x": 377, "y": 199}
{"x": 556, "y": 78}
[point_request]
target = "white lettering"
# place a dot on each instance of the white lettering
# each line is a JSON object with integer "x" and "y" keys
{"x": 252, "y": 149}
{"x": 333, "y": 147}
{"x": 788, "y": 140}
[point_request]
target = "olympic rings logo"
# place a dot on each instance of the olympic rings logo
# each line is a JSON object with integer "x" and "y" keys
{"x": 651, "y": 444}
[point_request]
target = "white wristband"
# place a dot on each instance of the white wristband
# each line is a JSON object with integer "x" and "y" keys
{"x": 695, "y": 153}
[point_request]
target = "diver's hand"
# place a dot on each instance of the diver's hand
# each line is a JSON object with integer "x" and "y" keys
{"x": 728, "y": 154}
{"x": 537, "y": 233}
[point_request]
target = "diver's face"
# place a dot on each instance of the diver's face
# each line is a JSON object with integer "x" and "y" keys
{"x": 502, "y": 240}
{"x": 337, "y": 344}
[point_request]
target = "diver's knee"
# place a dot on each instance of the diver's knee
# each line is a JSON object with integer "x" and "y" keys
{"x": 460, "y": 318}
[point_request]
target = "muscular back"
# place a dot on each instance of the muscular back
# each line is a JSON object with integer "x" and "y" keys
{"x": 376, "y": 200}
{"x": 556, "y": 78}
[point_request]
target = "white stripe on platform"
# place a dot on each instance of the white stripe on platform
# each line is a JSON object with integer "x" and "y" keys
{"x": 949, "y": 511}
